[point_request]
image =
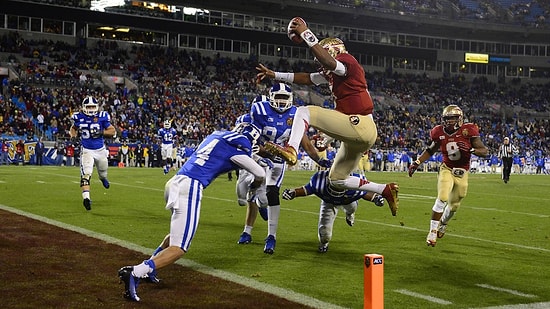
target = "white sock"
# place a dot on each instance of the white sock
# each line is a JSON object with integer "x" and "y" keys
{"x": 273, "y": 219}
{"x": 356, "y": 183}
{"x": 141, "y": 270}
{"x": 85, "y": 194}
{"x": 248, "y": 229}
{"x": 301, "y": 118}
{"x": 433, "y": 225}
{"x": 447, "y": 215}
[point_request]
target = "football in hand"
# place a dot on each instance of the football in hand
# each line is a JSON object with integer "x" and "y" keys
{"x": 292, "y": 35}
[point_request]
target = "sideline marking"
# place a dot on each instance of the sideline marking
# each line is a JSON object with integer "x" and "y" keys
{"x": 545, "y": 305}
{"x": 514, "y": 292}
{"x": 257, "y": 285}
{"x": 425, "y": 297}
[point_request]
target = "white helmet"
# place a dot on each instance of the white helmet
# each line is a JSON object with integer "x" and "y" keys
{"x": 280, "y": 97}
{"x": 90, "y": 106}
{"x": 167, "y": 124}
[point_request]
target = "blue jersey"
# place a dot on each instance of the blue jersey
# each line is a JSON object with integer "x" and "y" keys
{"x": 85, "y": 123}
{"x": 243, "y": 118}
{"x": 167, "y": 135}
{"x": 318, "y": 185}
{"x": 213, "y": 156}
{"x": 274, "y": 127}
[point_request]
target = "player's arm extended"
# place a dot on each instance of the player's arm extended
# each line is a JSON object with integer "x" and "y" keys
{"x": 427, "y": 153}
{"x": 110, "y": 131}
{"x": 478, "y": 148}
{"x": 289, "y": 194}
{"x": 251, "y": 166}
{"x": 73, "y": 132}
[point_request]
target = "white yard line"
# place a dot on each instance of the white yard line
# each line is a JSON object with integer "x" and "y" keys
{"x": 513, "y": 292}
{"x": 424, "y": 297}
{"x": 544, "y": 305}
{"x": 264, "y": 287}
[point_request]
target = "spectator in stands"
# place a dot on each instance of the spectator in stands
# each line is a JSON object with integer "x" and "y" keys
{"x": 4, "y": 152}
{"x": 69, "y": 154}
{"x": 39, "y": 152}
{"x": 20, "y": 153}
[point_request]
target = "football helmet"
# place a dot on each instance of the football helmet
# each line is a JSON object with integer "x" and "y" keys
{"x": 453, "y": 118}
{"x": 90, "y": 106}
{"x": 167, "y": 124}
{"x": 250, "y": 131}
{"x": 334, "y": 46}
{"x": 280, "y": 97}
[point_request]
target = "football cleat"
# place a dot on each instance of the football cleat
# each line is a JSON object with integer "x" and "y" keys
{"x": 288, "y": 153}
{"x": 378, "y": 200}
{"x": 441, "y": 229}
{"x": 390, "y": 194}
{"x": 105, "y": 183}
{"x": 269, "y": 247}
{"x": 350, "y": 219}
{"x": 323, "y": 248}
{"x": 87, "y": 204}
{"x": 432, "y": 238}
{"x": 130, "y": 283}
{"x": 263, "y": 212}
{"x": 166, "y": 170}
{"x": 245, "y": 239}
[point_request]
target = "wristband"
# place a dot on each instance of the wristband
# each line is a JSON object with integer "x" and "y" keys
{"x": 309, "y": 38}
{"x": 284, "y": 77}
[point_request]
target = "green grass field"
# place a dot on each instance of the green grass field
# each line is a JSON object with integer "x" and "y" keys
{"x": 496, "y": 251}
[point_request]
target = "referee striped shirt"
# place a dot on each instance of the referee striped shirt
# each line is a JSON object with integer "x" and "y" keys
{"x": 507, "y": 151}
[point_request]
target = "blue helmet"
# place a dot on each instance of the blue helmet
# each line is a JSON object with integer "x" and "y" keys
{"x": 90, "y": 106}
{"x": 280, "y": 97}
{"x": 249, "y": 130}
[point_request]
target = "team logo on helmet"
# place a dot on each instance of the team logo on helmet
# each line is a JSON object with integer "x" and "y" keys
{"x": 334, "y": 46}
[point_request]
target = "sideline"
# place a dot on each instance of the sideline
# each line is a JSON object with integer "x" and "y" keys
{"x": 264, "y": 287}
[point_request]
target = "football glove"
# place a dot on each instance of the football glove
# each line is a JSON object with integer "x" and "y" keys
{"x": 413, "y": 167}
{"x": 265, "y": 162}
{"x": 325, "y": 163}
{"x": 96, "y": 133}
{"x": 289, "y": 194}
{"x": 378, "y": 200}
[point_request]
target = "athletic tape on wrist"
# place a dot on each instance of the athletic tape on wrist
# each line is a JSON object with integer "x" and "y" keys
{"x": 309, "y": 38}
{"x": 284, "y": 77}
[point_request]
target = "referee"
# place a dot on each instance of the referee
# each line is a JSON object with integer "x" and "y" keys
{"x": 506, "y": 153}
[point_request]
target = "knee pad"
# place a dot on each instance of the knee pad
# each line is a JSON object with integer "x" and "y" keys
{"x": 272, "y": 193}
{"x": 439, "y": 206}
{"x": 242, "y": 202}
{"x": 85, "y": 180}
